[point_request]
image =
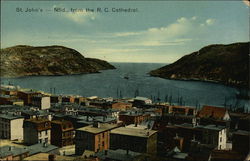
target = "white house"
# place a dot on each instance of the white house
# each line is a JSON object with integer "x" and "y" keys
{"x": 11, "y": 126}
{"x": 41, "y": 101}
{"x": 214, "y": 135}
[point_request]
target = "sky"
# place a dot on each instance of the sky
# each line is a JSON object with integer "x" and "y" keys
{"x": 159, "y": 32}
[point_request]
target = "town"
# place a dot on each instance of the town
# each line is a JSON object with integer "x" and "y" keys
{"x": 35, "y": 125}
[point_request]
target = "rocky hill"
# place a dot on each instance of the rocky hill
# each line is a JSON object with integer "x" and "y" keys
{"x": 25, "y": 60}
{"x": 227, "y": 64}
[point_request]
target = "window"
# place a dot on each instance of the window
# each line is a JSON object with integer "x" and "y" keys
{"x": 40, "y": 133}
{"x": 220, "y": 139}
{"x": 40, "y": 140}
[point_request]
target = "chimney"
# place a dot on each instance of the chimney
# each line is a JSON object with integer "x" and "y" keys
{"x": 147, "y": 133}
{"x": 96, "y": 124}
{"x": 106, "y": 152}
{"x": 51, "y": 157}
{"x": 10, "y": 148}
{"x": 127, "y": 151}
{"x": 45, "y": 144}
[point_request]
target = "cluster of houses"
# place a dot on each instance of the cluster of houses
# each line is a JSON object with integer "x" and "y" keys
{"x": 35, "y": 125}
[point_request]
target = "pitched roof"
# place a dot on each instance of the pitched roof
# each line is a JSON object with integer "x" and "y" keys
{"x": 212, "y": 111}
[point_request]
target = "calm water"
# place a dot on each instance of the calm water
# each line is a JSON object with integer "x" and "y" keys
{"x": 112, "y": 83}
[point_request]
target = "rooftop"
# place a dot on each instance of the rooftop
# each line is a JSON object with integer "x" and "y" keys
{"x": 11, "y": 150}
{"x": 226, "y": 155}
{"x": 212, "y": 111}
{"x": 118, "y": 154}
{"x": 209, "y": 127}
{"x": 10, "y": 116}
{"x": 139, "y": 132}
{"x": 212, "y": 127}
{"x": 40, "y": 148}
{"x": 45, "y": 156}
{"x": 37, "y": 120}
{"x": 96, "y": 130}
{"x": 141, "y": 98}
{"x": 242, "y": 132}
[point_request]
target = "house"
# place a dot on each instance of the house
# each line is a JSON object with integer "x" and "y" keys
{"x": 181, "y": 110}
{"x": 122, "y": 106}
{"x": 62, "y": 133}
{"x": 238, "y": 120}
{"x": 54, "y": 99}
{"x": 69, "y": 99}
{"x": 214, "y": 135}
{"x": 94, "y": 137}
{"x": 13, "y": 153}
{"x": 244, "y": 123}
{"x": 42, "y": 114}
{"x": 11, "y": 126}
{"x": 179, "y": 115}
{"x": 134, "y": 139}
{"x": 41, "y": 101}
{"x": 225, "y": 155}
{"x": 217, "y": 113}
{"x": 117, "y": 155}
{"x": 133, "y": 117}
{"x": 10, "y": 100}
{"x": 214, "y": 115}
{"x": 8, "y": 91}
{"x": 140, "y": 101}
{"x": 26, "y": 96}
{"x": 211, "y": 135}
{"x": 36, "y": 130}
{"x": 241, "y": 141}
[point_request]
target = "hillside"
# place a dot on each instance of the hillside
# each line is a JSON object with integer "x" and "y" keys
{"x": 227, "y": 64}
{"x": 25, "y": 60}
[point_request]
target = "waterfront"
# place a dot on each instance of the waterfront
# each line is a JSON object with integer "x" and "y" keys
{"x": 130, "y": 79}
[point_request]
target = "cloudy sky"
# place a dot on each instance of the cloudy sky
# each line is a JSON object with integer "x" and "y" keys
{"x": 160, "y": 32}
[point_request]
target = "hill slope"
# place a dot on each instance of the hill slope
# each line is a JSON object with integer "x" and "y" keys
{"x": 48, "y": 60}
{"x": 227, "y": 64}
